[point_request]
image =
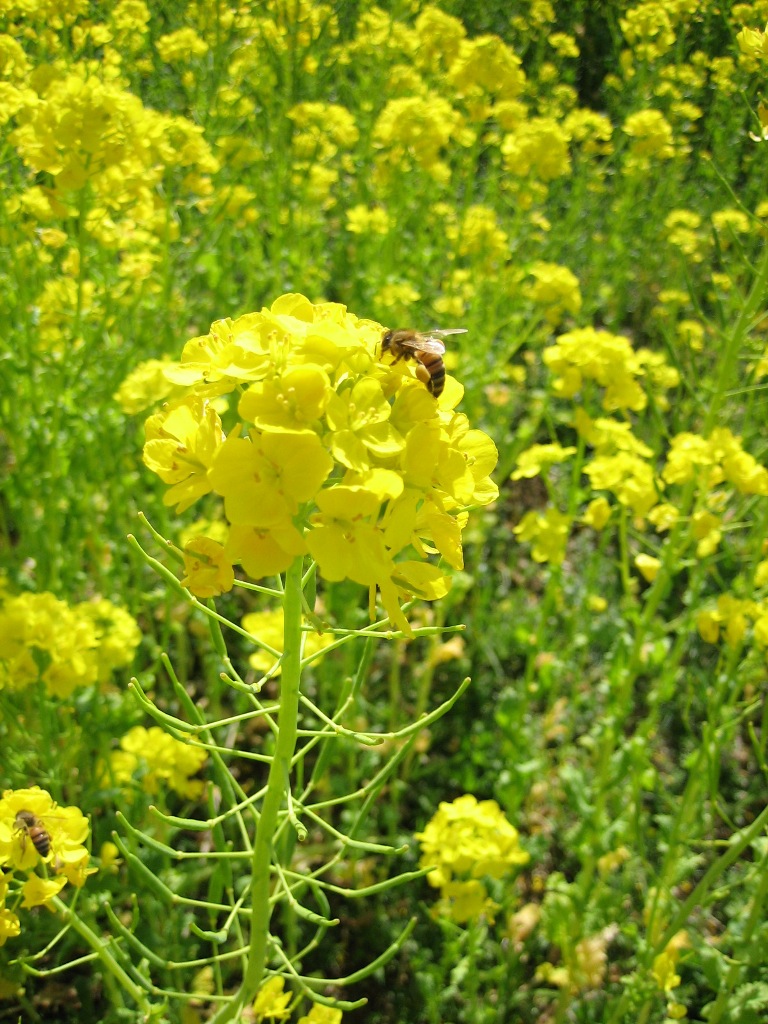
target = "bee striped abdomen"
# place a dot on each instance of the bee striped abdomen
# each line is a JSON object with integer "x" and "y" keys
{"x": 32, "y": 827}
{"x": 435, "y": 367}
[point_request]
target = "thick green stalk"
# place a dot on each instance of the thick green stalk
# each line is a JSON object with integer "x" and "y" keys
{"x": 277, "y": 787}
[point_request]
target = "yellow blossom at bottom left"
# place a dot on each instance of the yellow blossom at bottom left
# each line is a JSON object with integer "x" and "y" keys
{"x": 34, "y": 829}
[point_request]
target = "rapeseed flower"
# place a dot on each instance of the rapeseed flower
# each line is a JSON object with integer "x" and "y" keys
{"x": 480, "y": 235}
{"x": 648, "y": 30}
{"x": 538, "y": 457}
{"x": 41, "y": 637}
{"x": 208, "y": 571}
{"x": 10, "y": 925}
{"x": 180, "y": 46}
{"x": 416, "y": 130}
{"x": 465, "y": 842}
{"x": 547, "y": 532}
{"x": 336, "y": 453}
{"x": 156, "y": 759}
{"x": 486, "y": 63}
{"x": 729, "y": 619}
{"x": 628, "y": 476}
{"x": 715, "y": 459}
{"x": 34, "y": 828}
{"x": 608, "y": 359}
{"x": 682, "y": 232}
{"x": 537, "y": 148}
{"x": 440, "y": 36}
{"x": 555, "y": 289}
{"x": 144, "y": 387}
{"x": 271, "y": 1003}
{"x": 362, "y": 220}
{"x": 320, "y": 1014}
{"x": 647, "y": 566}
{"x": 651, "y": 136}
{"x": 180, "y": 446}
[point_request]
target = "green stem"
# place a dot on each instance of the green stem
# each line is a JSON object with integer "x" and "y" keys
{"x": 735, "y": 971}
{"x": 277, "y": 787}
{"x": 728, "y": 363}
{"x": 100, "y": 946}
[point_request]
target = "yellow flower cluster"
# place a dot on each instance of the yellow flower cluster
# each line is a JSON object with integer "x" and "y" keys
{"x": 416, "y": 130}
{"x": 144, "y": 387}
{"x": 555, "y": 289}
{"x": 587, "y": 354}
{"x": 336, "y": 453}
{"x": 623, "y": 465}
{"x": 651, "y": 136}
{"x": 731, "y": 618}
{"x": 538, "y": 148}
{"x": 34, "y": 830}
{"x": 79, "y": 128}
{"x": 464, "y": 842}
{"x": 154, "y": 758}
{"x": 43, "y": 638}
{"x": 719, "y": 458}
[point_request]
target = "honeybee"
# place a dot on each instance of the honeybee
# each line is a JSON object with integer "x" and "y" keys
{"x": 426, "y": 348}
{"x": 32, "y": 828}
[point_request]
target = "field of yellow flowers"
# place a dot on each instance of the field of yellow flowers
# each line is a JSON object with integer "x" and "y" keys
{"x": 333, "y": 688}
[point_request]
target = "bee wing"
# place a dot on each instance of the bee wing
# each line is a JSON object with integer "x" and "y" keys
{"x": 448, "y": 330}
{"x": 423, "y": 343}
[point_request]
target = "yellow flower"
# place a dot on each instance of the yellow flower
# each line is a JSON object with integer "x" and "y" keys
{"x": 648, "y": 30}
{"x": 110, "y": 857}
{"x": 683, "y": 232}
{"x": 364, "y": 221}
{"x": 38, "y": 891}
{"x": 556, "y": 289}
{"x": 34, "y": 827}
{"x": 537, "y": 148}
{"x": 466, "y": 841}
{"x": 648, "y": 567}
{"x": 271, "y": 1003}
{"x": 416, "y": 130}
{"x": 691, "y": 333}
{"x": 753, "y": 43}
{"x": 207, "y": 570}
{"x": 627, "y": 476}
{"x": 706, "y": 530}
{"x": 116, "y": 632}
{"x": 180, "y": 448}
{"x": 320, "y": 1014}
{"x": 163, "y": 759}
{"x": 180, "y": 46}
{"x": 145, "y": 386}
{"x": 597, "y": 513}
{"x": 549, "y": 533}
{"x": 539, "y": 457}
{"x": 10, "y": 926}
{"x": 664, "y": 965}
{"x": 264, "y": 478}
{"x": 487, "y": 63}
{"x": 651, "y": 136}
